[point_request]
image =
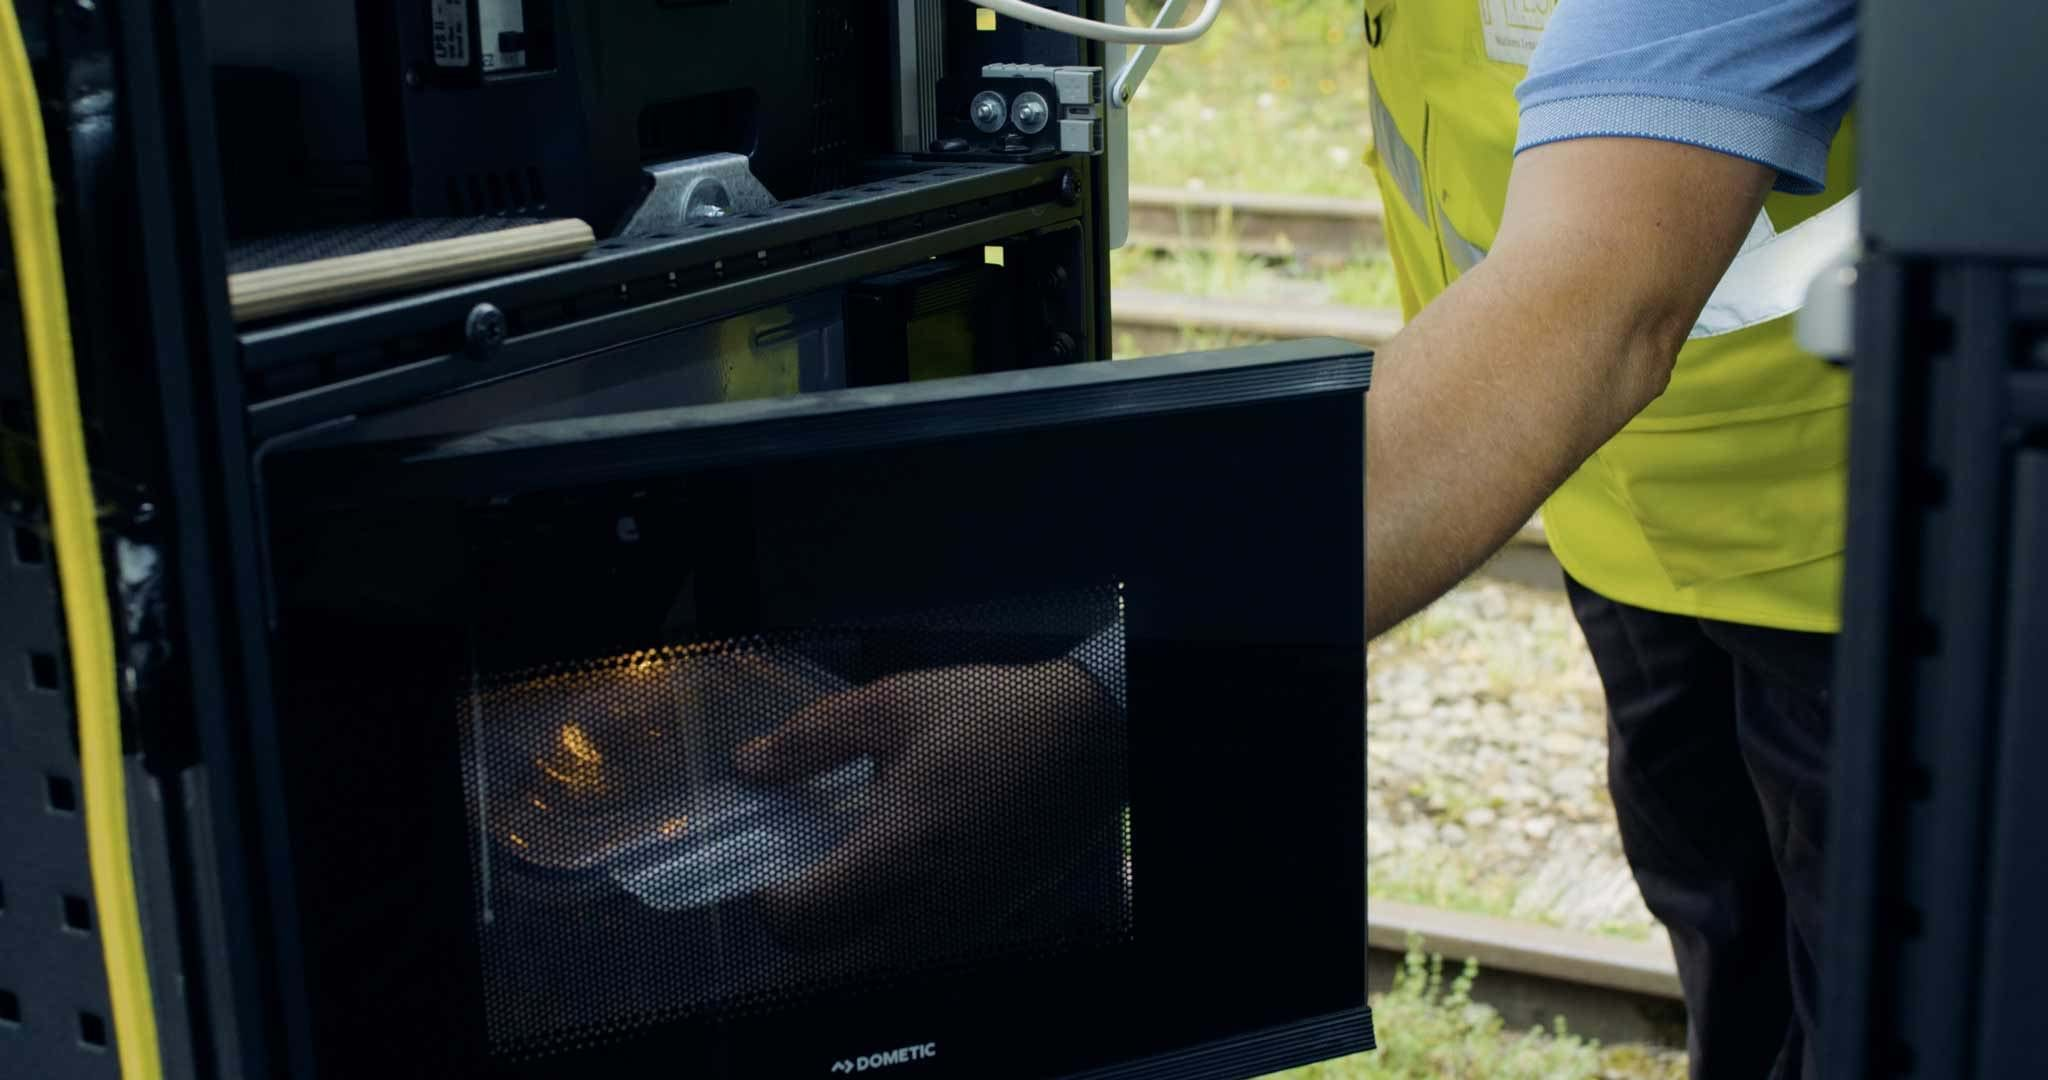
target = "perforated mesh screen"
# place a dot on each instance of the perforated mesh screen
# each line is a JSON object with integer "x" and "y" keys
{"x": 733, "y": 824}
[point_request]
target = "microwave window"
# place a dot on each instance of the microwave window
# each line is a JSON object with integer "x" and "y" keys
{"x": 695, "y": 828}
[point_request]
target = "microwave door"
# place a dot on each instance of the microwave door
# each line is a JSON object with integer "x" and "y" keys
{"x": 1007, "y": 725}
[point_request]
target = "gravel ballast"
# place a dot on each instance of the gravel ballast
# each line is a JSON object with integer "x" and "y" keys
{"x": 1486, "y": 737}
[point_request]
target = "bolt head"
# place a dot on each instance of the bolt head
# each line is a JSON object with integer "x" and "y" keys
{"x": 485, "y": 329}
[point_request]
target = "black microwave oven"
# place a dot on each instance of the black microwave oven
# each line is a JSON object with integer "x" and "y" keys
{"x": 1008, "y": 725}
{"x": 773, "y": 643}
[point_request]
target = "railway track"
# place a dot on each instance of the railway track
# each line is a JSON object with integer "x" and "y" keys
{"x": 1606, "y": 988}
{"x": 1316, "y": 229}
{"x": 1313, "y": 230}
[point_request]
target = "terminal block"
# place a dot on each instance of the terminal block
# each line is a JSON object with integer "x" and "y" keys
{"x": 1077, "y": 108}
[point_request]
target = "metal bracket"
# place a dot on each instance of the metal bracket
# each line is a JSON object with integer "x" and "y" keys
{"x": 695, "y": 189}
{"x": 1125, "y": 85}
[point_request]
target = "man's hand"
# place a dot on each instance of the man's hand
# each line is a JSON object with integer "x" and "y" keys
{"x": 990, "y": 781}
{"x": 1495, "y": 393}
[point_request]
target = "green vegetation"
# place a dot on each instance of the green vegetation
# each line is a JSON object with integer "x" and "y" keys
{"x": 1367, "y": 281}
{"x": 1272, "y": 99}
{"x": 1430, "y": 1029}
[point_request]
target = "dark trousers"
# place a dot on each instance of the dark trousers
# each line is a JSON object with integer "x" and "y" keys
{"x": 1717, "y": 742}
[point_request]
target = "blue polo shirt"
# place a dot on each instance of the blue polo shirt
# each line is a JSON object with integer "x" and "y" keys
{"x": 1766, "y": 80}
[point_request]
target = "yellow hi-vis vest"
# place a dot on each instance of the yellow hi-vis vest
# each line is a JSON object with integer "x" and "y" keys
{"x": 1725, "y": 498}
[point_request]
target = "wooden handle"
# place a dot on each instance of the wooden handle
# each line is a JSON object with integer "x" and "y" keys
{"x": 257, "y": 294}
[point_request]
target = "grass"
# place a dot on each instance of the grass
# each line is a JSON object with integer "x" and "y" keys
{"x": 1272, "y": 99}
{"x": 1448, "y": 885}
{"x": 1429, "y": 1028}
{"x": 1126, "y": 347}
{"x": 1367, "y": 282}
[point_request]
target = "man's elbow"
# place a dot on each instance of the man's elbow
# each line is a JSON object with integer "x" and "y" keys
{"x": 1650, "y": 352}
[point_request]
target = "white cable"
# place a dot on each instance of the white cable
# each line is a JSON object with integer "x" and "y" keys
{"x": 1024, "y": 11}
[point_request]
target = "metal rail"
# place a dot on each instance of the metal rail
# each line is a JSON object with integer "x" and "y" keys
{"x": 1153, "y": 318}
{"x": 1606, "y": 988}
{"x": 1316, "y": 229}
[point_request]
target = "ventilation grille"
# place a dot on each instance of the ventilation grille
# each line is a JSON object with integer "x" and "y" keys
{"x": 938, "y": 789}
{"x": 836, "y": 119}
{"x": 498, "y": 191}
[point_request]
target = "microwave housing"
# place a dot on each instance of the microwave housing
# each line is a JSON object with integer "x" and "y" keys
{"x": 866, "y": 428}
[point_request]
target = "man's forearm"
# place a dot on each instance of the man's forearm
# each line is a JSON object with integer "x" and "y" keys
{"x": 1463, "y": 443}
{"x": 1504, "y": 385}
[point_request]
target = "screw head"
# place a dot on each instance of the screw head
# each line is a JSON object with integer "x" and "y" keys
{"x": 485, "y": 329}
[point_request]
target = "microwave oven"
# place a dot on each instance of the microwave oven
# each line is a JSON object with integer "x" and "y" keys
{"x": 1008, "y": 725}
{"x": 786, "y": 646}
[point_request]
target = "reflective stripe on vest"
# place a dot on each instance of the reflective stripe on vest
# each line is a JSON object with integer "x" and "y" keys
{"x": 1395, "y": 155}
{"x": 1767, "y": 280}
{"x": 1464, "y": 253}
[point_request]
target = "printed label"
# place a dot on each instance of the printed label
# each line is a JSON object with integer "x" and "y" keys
{"x": 903, "y": 1055}
{"x": 1512, "y": 28}
{"x": 451, "y": 33}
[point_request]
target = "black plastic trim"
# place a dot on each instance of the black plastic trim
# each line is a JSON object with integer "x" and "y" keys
{"x": 532, "y": 456}
{"x": 1258, "y": 1054}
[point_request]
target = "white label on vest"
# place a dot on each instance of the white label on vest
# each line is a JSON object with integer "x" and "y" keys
{"x": 1512, "y": 27}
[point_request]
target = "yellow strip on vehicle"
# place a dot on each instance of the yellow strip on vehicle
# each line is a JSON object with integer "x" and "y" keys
{"x": 74, "y": 525}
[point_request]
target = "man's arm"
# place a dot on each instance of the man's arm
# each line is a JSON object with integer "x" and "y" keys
{"x": 1497, "y": 391}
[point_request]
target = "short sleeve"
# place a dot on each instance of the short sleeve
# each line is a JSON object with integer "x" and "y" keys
{"x": 1765, "y": 80}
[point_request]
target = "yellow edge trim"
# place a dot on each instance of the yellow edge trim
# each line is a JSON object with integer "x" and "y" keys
{"x": 32, "y": 216}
